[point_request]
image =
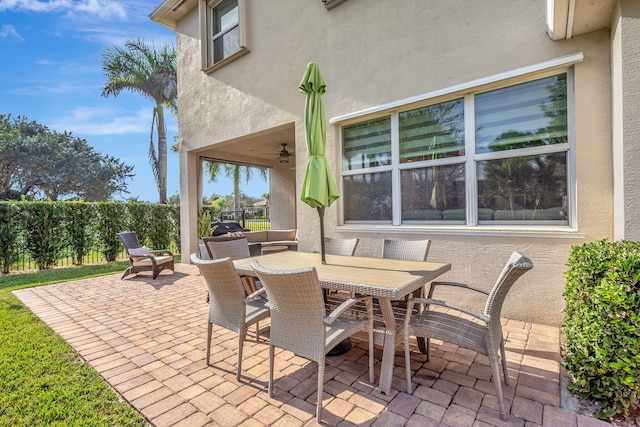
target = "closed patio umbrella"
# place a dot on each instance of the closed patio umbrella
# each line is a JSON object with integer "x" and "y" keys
{"x": 319, "y": 189}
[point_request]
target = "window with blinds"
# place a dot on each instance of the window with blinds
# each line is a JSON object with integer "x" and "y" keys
{"x": 509, "y": 166}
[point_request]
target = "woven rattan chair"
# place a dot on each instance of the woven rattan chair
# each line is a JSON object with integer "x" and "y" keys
{"x": 219, "y": 247}
{"x": 408, "y": 250}
{"x": 483, "y": 334}
{"x": 229, "y": 307}
{"x": 143, "y": 259}
{"x": 234, "y": 247}
{"x": 345, "y": 247}
{"x": 299, "y": 324}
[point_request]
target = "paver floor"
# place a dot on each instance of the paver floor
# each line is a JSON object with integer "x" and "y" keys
{"x": 147, "y": 339}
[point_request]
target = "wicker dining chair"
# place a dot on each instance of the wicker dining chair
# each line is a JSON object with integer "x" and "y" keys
{"x": 229, "y": 307}
{"x": 345, "y": 247}
{"x": 234, "y": 247}
{"x": 299, "y": 324}
{"x": 407, "y": 250}
{"x": 143, "y": 259}
{"x": 482, "y": 334}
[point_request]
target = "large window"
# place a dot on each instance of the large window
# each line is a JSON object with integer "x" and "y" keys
{"x": 493, "y": 157}
{"x": 223, "y": 35}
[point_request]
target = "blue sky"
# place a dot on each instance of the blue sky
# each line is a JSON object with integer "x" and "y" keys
{"x": 51, "y": 73}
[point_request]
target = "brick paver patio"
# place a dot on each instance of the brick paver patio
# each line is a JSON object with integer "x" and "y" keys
{"x": 147, "y": 339}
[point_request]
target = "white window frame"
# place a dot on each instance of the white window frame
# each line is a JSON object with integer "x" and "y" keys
{"x": 205, "y": 8}
{"x": 468, "y": 91}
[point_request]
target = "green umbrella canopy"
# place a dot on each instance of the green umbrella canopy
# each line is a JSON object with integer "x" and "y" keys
{"x": 318, "y": 187}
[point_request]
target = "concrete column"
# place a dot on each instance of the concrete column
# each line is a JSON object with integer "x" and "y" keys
{"x": 625, "y": 69}
{"x": 190, "y": 195}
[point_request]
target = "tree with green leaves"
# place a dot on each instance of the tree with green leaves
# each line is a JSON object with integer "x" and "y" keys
{"x": 235, "y": 172}
{"x": 140, "y": 68}
{"x": 38, "y": 163}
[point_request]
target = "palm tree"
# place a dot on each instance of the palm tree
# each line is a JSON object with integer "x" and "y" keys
{"x": 142, "y": 69}
{"x": 235, "y": 172}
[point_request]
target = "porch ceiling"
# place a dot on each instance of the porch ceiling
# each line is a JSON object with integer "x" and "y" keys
{"x": 262, "y": 149}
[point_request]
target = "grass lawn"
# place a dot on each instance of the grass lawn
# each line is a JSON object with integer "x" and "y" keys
{"x": 43, "y": 381}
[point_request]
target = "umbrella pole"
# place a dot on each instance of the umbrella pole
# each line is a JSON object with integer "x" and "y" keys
{"x": 321, "y": 215}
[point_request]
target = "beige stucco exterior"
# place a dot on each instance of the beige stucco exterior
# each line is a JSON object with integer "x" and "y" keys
{"x": 381, "y": 52}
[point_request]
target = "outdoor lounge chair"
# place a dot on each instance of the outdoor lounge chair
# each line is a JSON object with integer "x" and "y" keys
{"x": 482, "y": 334}
{"x": 299, "y": 324}
{"x": 229, "y": 307}
{"x": 143, "y": 259}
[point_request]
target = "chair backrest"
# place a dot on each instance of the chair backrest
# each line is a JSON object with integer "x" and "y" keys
{"x": 129, "y": 240}
{"x": 237, "y": 248}
{"x": 297, "y": 309}
{"x": 346, "y": 247}
{"x": 406, "y": 250}
{"x": 226, "y": 293}
{"x": 223, "y": 238}
{"x": 517, "y": 265}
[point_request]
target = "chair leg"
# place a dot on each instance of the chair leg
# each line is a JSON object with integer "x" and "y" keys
{"x": 407, "y": 361}
{"x": 209, "y": 328}
{"x": 495, "y": 370}
{"x": 504, "y": 363}
{"x": 428, "y": 349}
{"x": 257, "y": 331}
{"x": 241, "y": 337}
{"x": 271, "y": 360}
{"x": 126, "y": 273}
{"x": 321, "y": 366}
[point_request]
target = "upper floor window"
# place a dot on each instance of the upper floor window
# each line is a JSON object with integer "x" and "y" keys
{"x": 224, "y": 32}
{"x": 493, "y": 157}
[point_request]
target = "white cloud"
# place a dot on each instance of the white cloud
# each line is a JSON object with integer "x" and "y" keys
{"x": 104, "y": 121}
{"x": 102, "y": 8}
{"x": 9, "y": 31}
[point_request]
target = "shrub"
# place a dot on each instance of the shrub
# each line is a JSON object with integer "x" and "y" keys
{"x": 80, "y": 225}
{"x": 161, "y": 227}
{"x": 44, "y": 238}
{"x": 111, "y": 218}
{"x": 9, "y": 231}
{"x": 602, "y": 325}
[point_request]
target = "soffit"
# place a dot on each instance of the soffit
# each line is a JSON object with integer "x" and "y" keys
{"x": 570, "y": 18}
{"x": 169, "y": 12}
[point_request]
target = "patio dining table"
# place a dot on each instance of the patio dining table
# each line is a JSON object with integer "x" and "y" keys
{"x": 385, "y": 280}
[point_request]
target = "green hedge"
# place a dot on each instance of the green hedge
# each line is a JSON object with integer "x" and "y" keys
{"x": 45, "y": 232}
{"x": 602, "y": 325}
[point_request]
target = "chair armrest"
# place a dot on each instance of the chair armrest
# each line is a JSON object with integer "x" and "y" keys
{"x": 429, "y": 301}
{"x": 454, "y": 284}
{"x": 161, "y": 251}
{"x": 337, "y": 312}
{"x": 256, "y": 295}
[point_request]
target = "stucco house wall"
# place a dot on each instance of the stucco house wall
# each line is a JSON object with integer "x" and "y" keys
{"x": 374, "y": 53}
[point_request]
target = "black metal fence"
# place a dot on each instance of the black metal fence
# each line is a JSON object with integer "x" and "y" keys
{"x": 255, "y": 218}
{"x": 66, "y": 259}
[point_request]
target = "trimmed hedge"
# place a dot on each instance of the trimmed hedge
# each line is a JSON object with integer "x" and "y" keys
{"x": 45, "y": 232}
{"x": 602, "y": 325}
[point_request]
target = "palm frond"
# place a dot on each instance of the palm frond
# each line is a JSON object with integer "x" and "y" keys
{"x": 153, "y": 157}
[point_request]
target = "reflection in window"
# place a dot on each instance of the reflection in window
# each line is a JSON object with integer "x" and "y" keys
{"x": 432, "y": 132}
{"x": 225, "y": 30}
{"x": 367, "y": 144}
{"x": 524, "y": 188}
{"x": 526, "y": 115}
{"x": 433, "y": 193}
{"x": 367, "y": 197}
{"x": 508, "y": 166}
